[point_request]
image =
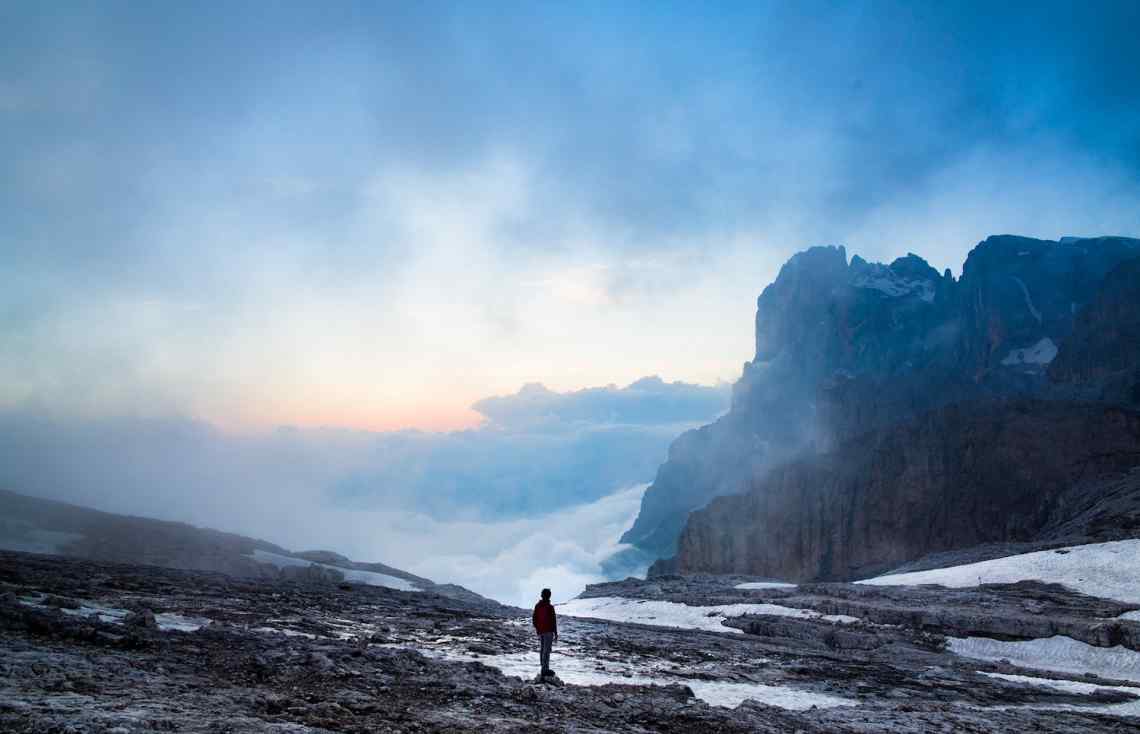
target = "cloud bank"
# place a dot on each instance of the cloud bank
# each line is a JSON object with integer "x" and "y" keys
{"x": 534, "y": 491}
{"x": 511, "y": 561}
{"x": 648, "y": 401}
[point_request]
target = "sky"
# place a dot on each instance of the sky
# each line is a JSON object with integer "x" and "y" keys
{"x": 373, "y": 215}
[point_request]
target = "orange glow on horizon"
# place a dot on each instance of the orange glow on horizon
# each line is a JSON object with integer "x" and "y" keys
{"x": 422, "y": 417}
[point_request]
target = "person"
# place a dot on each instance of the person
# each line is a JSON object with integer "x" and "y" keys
{"x": 546, "y": 625}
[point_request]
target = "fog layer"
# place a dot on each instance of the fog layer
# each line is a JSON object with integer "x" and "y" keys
{"x": 537, "y": 495}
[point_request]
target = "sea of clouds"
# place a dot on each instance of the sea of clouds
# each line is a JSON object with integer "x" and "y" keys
{"x": 536, "y": 497}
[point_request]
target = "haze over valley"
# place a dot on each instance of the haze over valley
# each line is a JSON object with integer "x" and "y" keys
{"x": 543, "y": 489}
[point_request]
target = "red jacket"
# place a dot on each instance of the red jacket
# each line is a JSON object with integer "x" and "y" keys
{"x": 543, "y": 619}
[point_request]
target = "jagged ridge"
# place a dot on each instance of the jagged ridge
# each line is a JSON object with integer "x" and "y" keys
{"x": 843, "y": 348}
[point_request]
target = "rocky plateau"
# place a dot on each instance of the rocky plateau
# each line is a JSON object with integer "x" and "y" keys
{"x": 91, "y": 646}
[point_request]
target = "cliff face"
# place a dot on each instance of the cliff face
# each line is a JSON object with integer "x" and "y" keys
{"x": 1101, "y": 359}
{"x": 845, "y": 348}
{"x": 959, "y": 476}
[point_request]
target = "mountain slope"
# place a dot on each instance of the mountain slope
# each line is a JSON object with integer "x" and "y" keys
{"x": 956, "y": 477}
{"x": 34, "y": 525}
{"x": 846, "y": 348}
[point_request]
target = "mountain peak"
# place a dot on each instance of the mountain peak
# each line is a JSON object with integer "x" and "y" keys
{"x": 844, "y": 349}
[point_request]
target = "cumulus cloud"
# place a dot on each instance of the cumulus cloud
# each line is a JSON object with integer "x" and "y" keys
{"x": 648, "y": 401}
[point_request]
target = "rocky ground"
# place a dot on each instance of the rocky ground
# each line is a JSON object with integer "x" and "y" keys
{"x": 91, "y": 647}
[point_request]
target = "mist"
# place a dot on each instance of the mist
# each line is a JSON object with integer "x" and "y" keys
{"x": 542, "y": 490}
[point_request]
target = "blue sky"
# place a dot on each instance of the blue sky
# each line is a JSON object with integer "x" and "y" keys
{"x": 373, "y": 215}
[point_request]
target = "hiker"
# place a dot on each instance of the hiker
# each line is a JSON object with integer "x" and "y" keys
{"x": 546, "y": 625}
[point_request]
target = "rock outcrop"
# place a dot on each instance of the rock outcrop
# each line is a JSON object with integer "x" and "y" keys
{"x": 845, "y": 349}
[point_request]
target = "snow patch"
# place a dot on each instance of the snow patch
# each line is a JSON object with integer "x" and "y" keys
{"x": 1042, "y": 352}
{"x": 1105, "y": 570}
{"x": 283, "y": 631}
{"x": 1028, "y": 301}
{"x": 170, "y": 621}
{"x": 884, "y": 280}
{"x": 1133, "y": 616}
{"x": 765, "y": 585}
{"x": 1057, "y": 653}
{"x": 584, "y": 670}
{"x": 1128, "y": 708}
{"x": 111, "y": 615}
{"x": 683, "y": 616}
{"x": 1068, "y": 686}
{"x": 370, "y": 578}
{"x": 114, "y": 615}
{"x": 731, "y": 695}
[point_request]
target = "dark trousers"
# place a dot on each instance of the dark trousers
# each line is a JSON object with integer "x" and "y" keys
{"x": 545, "y": 641}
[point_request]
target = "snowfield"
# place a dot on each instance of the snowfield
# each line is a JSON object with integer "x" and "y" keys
{"x": 1106, "y": 570}
{"x": 361, "y": 577}
{"x": 585, "y": 670}
{"x": 1053, "y": 653}
{"x": 1028, "y": 301}
{"x": 683, "y": 616}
